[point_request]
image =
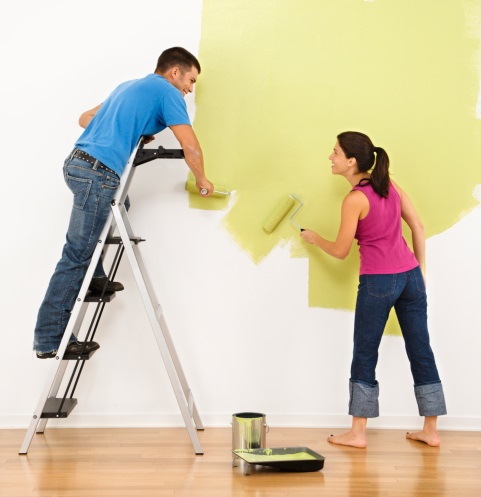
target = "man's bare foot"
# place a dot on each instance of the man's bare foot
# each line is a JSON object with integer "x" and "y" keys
{"x": 350, "y": 439}
{"x": 430, "y": 438}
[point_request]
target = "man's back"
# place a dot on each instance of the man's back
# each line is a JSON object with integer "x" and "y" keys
{"x": 141, "y": 107}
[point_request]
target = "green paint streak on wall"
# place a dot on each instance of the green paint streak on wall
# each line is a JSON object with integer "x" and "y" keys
{"x": 281, "y": 79}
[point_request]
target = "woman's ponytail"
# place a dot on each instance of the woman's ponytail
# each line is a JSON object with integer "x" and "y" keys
{"x": 380, "y": 174}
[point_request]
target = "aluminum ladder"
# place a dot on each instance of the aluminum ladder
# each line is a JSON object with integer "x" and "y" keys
{"x": 53, "y": 405}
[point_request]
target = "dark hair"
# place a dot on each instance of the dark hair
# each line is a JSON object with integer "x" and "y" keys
{"x": 360, "y": 146}
{"x": 176, "y": 56}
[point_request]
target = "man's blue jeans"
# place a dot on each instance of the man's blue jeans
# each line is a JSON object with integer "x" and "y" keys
{"x": 377, "y": 294}
{"x": 93, "y": 190}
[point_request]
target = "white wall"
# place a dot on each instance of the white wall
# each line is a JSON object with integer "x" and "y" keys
{"x": 245, "y": 334}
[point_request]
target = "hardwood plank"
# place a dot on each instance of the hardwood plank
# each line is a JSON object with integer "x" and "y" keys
{"x": 161, "y": 463}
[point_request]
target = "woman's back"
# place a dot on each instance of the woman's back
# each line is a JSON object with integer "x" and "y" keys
{"x": 382, "y": 247}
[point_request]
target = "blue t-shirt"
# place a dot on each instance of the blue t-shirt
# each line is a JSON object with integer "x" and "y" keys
{"x": 135, "y": 108}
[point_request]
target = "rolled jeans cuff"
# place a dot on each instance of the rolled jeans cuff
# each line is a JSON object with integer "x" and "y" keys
{"x": 363, "y": 400}
{"x": 430, "y": 399}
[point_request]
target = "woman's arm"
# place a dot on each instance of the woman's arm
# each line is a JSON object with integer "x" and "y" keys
{"x": 352, "y": 206}
{"x": 409, "y": 214}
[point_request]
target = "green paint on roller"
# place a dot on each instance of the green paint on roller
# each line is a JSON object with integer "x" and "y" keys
{"x": 219, "y": 190}
{"x": 278, "y": 214}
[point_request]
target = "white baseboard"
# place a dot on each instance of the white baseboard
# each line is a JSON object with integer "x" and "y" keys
{"x": 164, "y": 420}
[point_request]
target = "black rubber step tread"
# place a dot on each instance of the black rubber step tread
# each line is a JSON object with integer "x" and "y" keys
{"x": 52, "y": 405}
{"x": 116, "y": 240}
{"x": 97, "y": 296}
{"x": 76, "y": 357}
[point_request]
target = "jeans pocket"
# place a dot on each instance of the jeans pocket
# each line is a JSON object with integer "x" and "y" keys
{"x": 380, "y": 285}
{"x": 110, "y": 182}
{"x": 80, "y": 187}
{"x": 418, "y": 277}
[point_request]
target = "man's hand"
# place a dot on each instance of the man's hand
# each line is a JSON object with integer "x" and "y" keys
{"x": 205, "y": 187}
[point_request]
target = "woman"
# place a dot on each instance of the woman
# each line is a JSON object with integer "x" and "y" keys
{"x": 391, "y": 275}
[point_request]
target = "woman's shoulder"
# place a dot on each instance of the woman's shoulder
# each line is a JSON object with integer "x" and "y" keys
{"x": 396, "y": 188}
{"x": 356, "y": 197}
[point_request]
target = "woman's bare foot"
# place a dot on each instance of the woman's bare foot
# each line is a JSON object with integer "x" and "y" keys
{"x": 429, "y": 434}
{"x": 350, "y": 439}
{"x": 432, "y": 439}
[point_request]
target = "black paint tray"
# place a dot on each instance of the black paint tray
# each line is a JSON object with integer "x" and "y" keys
{"x": 300, "y": 459}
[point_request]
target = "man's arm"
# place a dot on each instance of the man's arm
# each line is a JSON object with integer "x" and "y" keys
{"x": 86, "y": 117}
{"x": 193, "y": 155}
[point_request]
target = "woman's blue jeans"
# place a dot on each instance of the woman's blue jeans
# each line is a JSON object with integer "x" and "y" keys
{"x": 93, "y": 190}
{"x": 377, "y": 294}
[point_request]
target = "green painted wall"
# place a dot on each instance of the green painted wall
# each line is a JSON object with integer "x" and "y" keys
{"x": 280, "y": 79}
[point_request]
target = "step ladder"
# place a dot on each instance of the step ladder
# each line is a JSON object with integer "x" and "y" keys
{"x": 53, "y": 405}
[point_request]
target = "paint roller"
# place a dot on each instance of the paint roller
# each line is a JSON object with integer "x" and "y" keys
{"x": 219, "y": 191}
{"x": 280, "y": 212}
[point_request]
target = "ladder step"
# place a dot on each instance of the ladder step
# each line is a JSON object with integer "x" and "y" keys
{"x": 79, "y": 357}
{"x": 117, "y": 240}
{"x": 96, "y": 296}
{"x": 52, "y": 405}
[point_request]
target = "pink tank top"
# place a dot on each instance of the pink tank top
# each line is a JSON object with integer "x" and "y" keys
{"x": 382, "y": 247}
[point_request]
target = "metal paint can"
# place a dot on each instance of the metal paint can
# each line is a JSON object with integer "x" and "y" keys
{"x": 249, "y": 431}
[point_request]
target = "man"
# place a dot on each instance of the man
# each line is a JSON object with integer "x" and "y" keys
{"x": 135, "y": 109}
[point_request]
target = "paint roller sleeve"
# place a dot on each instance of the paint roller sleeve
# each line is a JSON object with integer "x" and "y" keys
{"x": 219, "y": 190}
{"x": 278, "y": 214}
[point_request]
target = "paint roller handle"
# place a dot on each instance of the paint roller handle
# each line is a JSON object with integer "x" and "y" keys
{"x": 206, "y": 188}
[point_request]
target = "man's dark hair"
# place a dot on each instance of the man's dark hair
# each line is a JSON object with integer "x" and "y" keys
{"x": 176, "y": 56}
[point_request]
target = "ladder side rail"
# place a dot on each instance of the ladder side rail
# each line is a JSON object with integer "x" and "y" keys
{"x": 80, "y": 363}
{"x": 183, "y": 380}
{"x": 56, "y": 372}
{"x": 122, "y": 212}
{"x": 92, "y": 330}
{"x": 116, "y": 262}
{"x": 53, "y": 393}
{"x": 38, "y": 424}
{"x": 59, "y": 377}
{"x": 125, "y": 180}
{"x": 107, "y": 230}
{"x": 158, "y": 332}
{"x": 94, "y": 323}
{"x": 159, "y": 314}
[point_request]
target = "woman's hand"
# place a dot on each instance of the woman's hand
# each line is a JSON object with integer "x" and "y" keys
{"x": 309, "y": 236}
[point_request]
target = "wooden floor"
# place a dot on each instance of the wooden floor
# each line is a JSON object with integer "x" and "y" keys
{"x": 161, "y": 462}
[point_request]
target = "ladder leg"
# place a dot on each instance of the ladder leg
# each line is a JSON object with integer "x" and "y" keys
{"x": 58, "y": 368}
{"x": 168, "y": 339}
{"x": 162, "y": 322}
{"x": 53, "y": 393}
{"x": 37, "y": 423}
{"x": 161, "y": 331}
